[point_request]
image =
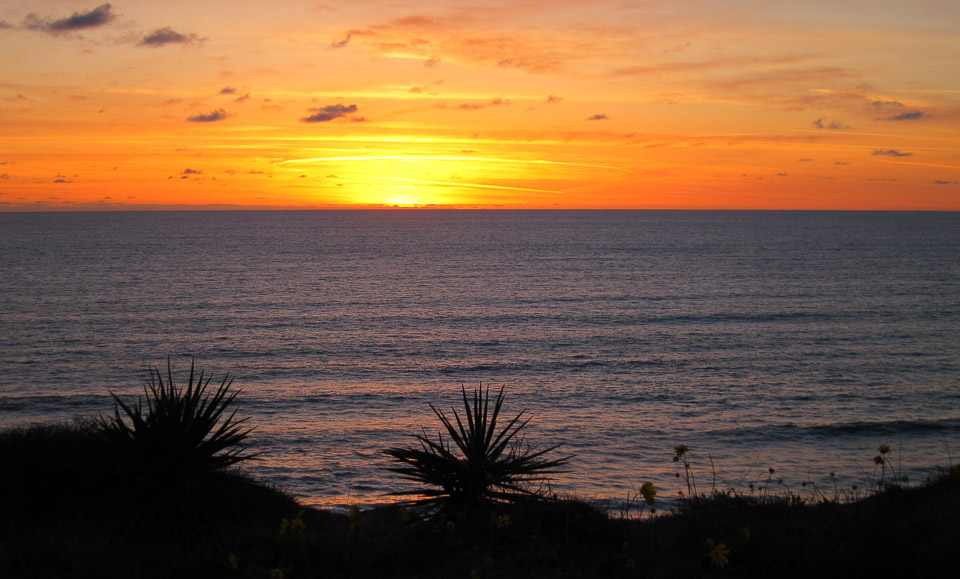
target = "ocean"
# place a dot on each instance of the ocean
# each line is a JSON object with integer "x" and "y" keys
{"x": 798, "y": 341}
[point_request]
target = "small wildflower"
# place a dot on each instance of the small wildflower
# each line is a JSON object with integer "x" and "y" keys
{"x": 489, "y": 561}
{"x": 679, "y": 451}
{"x": 772, "y": 470}
{"x": 475, "y": 573}
{"x": 718, "y": 554}
{"x": 649, "y": 493}
{"x": 631, "y": 564}
{"x": 745, "y": 533}
{"x": 276, "y": 574}
{"x": 451, "y": 526}
{"x": 905, "y": 479}
{"x": 353, "y": 512}
{"x": 234, "y": 561}
{"x": 854, "y": 487}
{"x": 500, "y": 521}
{"x": 878, "y": 459}
{"x": 884, "y": 448}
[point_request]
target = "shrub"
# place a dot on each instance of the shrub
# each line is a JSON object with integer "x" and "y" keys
{"x": 490, "y": 466}
{"x": 179, "y": 430}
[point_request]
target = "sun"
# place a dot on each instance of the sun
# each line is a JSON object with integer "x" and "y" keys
{"x": 446, "y": 180}
{"x": 404, "y": 201}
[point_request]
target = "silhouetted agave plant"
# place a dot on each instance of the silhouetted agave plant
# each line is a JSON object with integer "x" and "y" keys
{"x": 181, "y": 429}
{"x": 490, "y": 466}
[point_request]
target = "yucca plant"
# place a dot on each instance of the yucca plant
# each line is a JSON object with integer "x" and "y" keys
{"x": 482, "y": 465}
{"x": 178, "y": 430}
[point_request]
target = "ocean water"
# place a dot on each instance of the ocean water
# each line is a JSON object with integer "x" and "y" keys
{"x": 799, "y": 341}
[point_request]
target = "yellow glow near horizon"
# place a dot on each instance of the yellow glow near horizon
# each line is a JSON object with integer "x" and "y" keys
{"x": 427, "y": 180}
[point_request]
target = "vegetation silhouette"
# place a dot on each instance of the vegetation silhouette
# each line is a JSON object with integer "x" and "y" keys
{"x": 98, "y": 497}
{"x": 181, "y": 430}
{"x": 482, "y": 466}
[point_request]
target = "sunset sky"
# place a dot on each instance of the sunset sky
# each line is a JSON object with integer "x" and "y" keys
{"x": 767, "y": 104}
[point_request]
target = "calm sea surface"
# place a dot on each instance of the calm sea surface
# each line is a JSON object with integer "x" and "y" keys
{"x": 793, "y": 340}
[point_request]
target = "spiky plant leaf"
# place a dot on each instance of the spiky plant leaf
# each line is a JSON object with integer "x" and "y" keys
{"x": 183, "y": 429}
{"x": 481, "y": 465}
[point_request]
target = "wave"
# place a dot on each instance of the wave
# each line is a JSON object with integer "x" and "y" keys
{"x": 791, "y": 431}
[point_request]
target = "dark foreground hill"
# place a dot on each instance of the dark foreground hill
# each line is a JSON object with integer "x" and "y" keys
{"x": 69, "y": 509}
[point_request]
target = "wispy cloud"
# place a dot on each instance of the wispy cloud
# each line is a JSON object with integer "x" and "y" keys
{"x": 99, "y": 16}
{"x": 217, "y": 115}
{"x": 228, "y": 90}
{"x": 342, "y": 43}
{"x": 167, "y": 35}
{"x": 912, "y": 116}
{"x": 822, "y": 123}
{"x": 597, "y": 117}
{"x": 883, "y": 105}
{"x": 890, "y": 153}
{"x": 942, "y": 182}
{"x": 328, "y": 113}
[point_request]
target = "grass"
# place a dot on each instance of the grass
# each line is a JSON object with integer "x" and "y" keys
{"x": 76, "y": 503}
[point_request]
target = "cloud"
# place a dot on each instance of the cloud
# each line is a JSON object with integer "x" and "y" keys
{"x": 228, "y": 90}
{"x": 904, "y": 116}
{"x": 99, "y": 16}
{"x": 597, "y": 117}
{"x": 433, "y": 61}
{"x": 497, "y": 102}
{"x": 4, "y": 24}
{"x": 890, "y": 153}
{"x": 329, "y": 113}
{"x": 881, "y": 105}
{"x": 243, "y": 98}
{"x": 192, "y": 172}
{"x": 165, "y": 36}
{"x": 840, "y": 163}
{"x": 342, "y": 43}
{"x": 941, "y": 182}
{"x": 553, "y": 99}
{"x": 217, "y": 115}
{"x": 822, "y": 123}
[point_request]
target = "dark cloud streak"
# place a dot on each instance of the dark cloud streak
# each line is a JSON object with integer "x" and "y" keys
{"x": 217, "y": 115}
{"x": 328, "y": 113}
{"x": 99, "y": 16}
{"x": 167, "y": 35}
{"x": 912, "y": 116}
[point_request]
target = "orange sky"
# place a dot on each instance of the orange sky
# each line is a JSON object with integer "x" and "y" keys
{"x": 139, "y": 104}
